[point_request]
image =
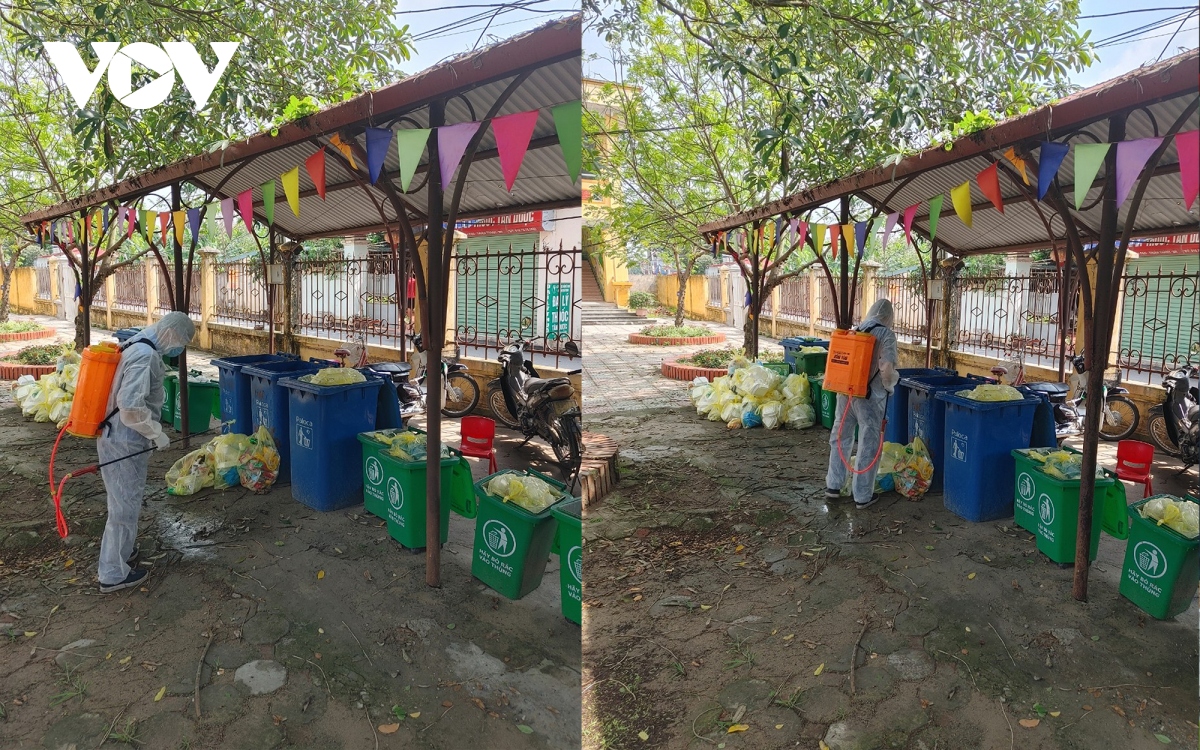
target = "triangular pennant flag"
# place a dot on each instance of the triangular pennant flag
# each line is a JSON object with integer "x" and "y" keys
{"x": 227, "y": 215}
{"x": 130, "y": 222}
{"x": 935, "y": 211}
{"x": 888, "y": 226}
{"x": 268, "y": 194}
{"x": 961, "y": 198}
{"x": 568, "y": 121}
{"x": 163, "y": 219}
{"x": 848, "y": 236}
{"x": 315, "y": 165}
{"x": 1187, "y": 145}
{"x": 801, "y": 232}
{"x": 1050, "y": 157}
{"x": 148, "y": 219}
{"x": 410, "y": 144}
{"x": 291, "y": 188}
{"x": 835, "y": 236}
{"x": 245, "y": 204}
{"x": 910, "y": 213}
{"x": 71, "y": 230}
{"x": 1131, "y": 158}
{"x": 336, "y": 141}
{"x": 818, "y": 237}
{"x": 512, "y": 141}
{"x": 210, "y": 222}
{"x": 989, "y": 185}
{"x": 1018, "y": 162}
{"x": 860, "y": 237}
{"x": 1088, "y": 159}
{"x": 177, "y": 221}
{"x": 378, "y": 141}
{"x": 452, "y": 143}
{"x": 193, "y": 219}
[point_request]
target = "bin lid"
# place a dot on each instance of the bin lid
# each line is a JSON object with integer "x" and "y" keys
{"x": 569, "y": 509}
{"x": 292, "y": 382}
{"x": 949, "y": 395}
{"x": 281, "y": 369}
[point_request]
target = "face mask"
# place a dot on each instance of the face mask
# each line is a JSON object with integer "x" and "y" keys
{"x": 174, "y": 351}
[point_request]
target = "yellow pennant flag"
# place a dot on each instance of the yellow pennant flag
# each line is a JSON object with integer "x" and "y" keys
{"x": 961, "y": 198}
{"x": 848, "y": 235}
{"x": 291, "y": 188}
{"x": 178, "y": 220}
{"x": 148, "y": 218}
{"x": 818, "y": 231}
{"x": 336, "y": 141}
{"x": 1018, "y": 162}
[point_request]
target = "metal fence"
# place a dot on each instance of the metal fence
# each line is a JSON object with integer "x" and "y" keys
{"x": 907, "y": 295}
{"x": 1159, "y": 324}
{"x": 1012, "y": 316}
{"x": 714, "y": 289}
{"x": 129, "y": 288}
{"x": 42, "y": 275}
{"x": 240, "y": 294}
{"x": 166, "y": 288}
{"x": 350, "y": 299}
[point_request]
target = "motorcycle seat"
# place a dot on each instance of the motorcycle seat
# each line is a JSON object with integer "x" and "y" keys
{"x": 1053, "y": 389}
{"x": 534, "y": 385}
{"x": 392, "y": 368}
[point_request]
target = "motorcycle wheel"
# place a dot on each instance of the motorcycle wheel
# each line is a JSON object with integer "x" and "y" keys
{"x": 499, "y": 408}
{"x": 1157, "y": 427}
{"x": 468, "y": 391}
{"x": 568, "y": 449}
{"x": 1126, "y": 413}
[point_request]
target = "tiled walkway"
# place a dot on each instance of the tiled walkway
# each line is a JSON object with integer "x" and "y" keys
{"x": 619, "y": 376}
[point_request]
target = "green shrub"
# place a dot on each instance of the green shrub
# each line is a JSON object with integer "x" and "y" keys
{"x": 722, "y": 357}
{"x": 42, "y": 354}
{"x": 19, "y": 326}
{"x": 676, "y": 331}
{"x": 642, "y": 301}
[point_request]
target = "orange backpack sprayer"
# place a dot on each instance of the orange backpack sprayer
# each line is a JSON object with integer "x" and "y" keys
{"x": 848, "y": 371}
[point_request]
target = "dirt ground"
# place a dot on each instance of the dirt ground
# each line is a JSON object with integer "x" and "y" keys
{"x": 727, "y": 605}
{"x": 368, "y": 655}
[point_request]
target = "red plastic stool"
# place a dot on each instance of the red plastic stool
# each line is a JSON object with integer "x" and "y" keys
{"x": 1135, "y": 459}
{"x": 477, "y": 436}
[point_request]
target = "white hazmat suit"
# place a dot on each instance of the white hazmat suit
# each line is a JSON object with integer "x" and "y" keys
{"x": 137, "y": 398}
{"x": 865, "y": 413}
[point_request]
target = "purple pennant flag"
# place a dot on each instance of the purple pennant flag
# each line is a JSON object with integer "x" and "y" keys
{"x": 1131, "y": 157}
{"x": 888, "y": 226}
{"x": 378, "y": 142}
{"x": 452, "y": 143}
{"x": 1050, "y": 158}
{"x": 860, "y": 237}
{"x": 227, "y": 215}
{"x": 193, "y": 215}
{"x": 794, "y": 225}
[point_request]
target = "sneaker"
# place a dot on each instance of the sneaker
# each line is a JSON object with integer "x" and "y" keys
{"x": 134, "y": 558}
{"x": 832, "y": 494}
{"x": 135, "y": 578}
{"x": 874, "y": 499}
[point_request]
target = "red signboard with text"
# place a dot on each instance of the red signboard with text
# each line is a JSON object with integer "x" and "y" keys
{"x": 530, "y": 221}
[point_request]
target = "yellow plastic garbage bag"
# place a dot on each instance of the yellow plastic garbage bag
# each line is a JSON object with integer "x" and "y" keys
{"x": 914, "y": 478}
{"x": 757, "y": 381}
{"x": 892, "y": 458}
{"x": 528, "y": 492}
{"x": 698, "y": 392}
{"x": 731, "y": 410}
{"x": 738, "y": 362}
{"x": 800, "y": 416}
{"x": 992, "y": 392}
{"x": 334, "y": 376}
{"x": 191, "y": 473}
{"x": 796, "y": 386}
{"x": 1179, "y": 515}
{"x": 226, "y": 452}
{"x": 706, "y": 402}
{"x": 258, "y": 465}
{"x": 772, "y": 415}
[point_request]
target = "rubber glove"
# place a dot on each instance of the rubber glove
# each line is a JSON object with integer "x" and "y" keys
{"x": 161, "y": 441}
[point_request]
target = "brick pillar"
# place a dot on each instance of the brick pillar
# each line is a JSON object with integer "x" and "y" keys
{"x": 152, "y": 272}
{"x": 208, "y": 294}
{"x": 814, "y": 298}
{"x": 110, "y": 288}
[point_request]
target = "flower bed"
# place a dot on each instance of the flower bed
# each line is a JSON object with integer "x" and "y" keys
{"x": 676, "y": 370}
{"x": 660, "y": 335}
{"x": 40, "y": 333}
{"x": 14, "y": 370}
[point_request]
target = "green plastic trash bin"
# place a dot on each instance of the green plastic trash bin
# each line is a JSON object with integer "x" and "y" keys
{"x": 1162, "y": 567}
{"x": 204, "y": 403}
{"x": 782, "y": 369}
{"x": 1109, "y": 500}
{"x": 812, "y": 363}
{"x": 570, "y": 557}
{"x": 170, "y": 387}
{"x": 511, "y": 544}
{"x": 824, "y": 402}
{"x": 1058, "y": 516}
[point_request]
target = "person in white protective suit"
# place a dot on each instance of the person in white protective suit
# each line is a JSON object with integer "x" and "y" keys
{"x": 131, "y": 426}
{"x": 865, "y": 413}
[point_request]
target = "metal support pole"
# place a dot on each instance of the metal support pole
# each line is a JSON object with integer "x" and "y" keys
{"x": 181, "y": 305}
{"x": 845, "y": 304}
{"x": 434, "y": 309}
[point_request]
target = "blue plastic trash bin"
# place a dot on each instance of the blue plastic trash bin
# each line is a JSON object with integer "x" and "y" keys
{"x": 927, "y": 416}
{"x": 792, "y": 344}
{"x": 325, "y": 423}
{"x": 235, "y": 388}
{"x": 269, "y": 403}
{"x": 979, "y": 468}
{"x": 897, "y": 405}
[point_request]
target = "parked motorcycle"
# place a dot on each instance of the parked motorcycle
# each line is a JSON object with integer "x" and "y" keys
{"x": 1174, "y": 424}
{"x": 538, "y": 407}
{"x": 460, "y": 393}
{"x": 1121, "y": 415}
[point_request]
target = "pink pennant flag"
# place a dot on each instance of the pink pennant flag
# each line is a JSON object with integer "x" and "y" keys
{"x": 888, "y": 226}
{"x": 227, "y": 215}
{"x": 245, "y": 201}
{"x": 1131, "y": 157}
{"x": 910, "y": 213}
{"x": 452, "y": 143}
{"x": 793, "y": 225}
{"x": 1187, "y": 144}
{"x": 512, "y": 141}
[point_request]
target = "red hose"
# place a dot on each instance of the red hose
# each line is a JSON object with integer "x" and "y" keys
{"x": 878, "y": 452}
{"x": 60, "y": 521}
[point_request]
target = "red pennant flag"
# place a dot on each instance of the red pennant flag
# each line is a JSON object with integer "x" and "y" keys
{"x": 245, "y": 202}
{"x": 989, "y": 185}
{"x": 512, "y": 134}
{"x": 315, "y": 165}
{"x": 1187, "y": 145}
{"x": 163, "y": 218}
{"x": 910, "y": 213}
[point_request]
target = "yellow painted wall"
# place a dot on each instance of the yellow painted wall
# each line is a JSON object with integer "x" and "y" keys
{"x": 695, "y": 299}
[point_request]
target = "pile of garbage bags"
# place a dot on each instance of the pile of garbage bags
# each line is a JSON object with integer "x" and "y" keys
{"x": 523, "y": 490}
{"x": 907, "y": 468}
{"x": 992, "y": 392}
{"x": 49, "y": 398}
{"x": 334, "y": 376}
{"x": 406, "y": 445}
{"x": 227, "y": 460}
{"x": 1060, "y": 464}
{"x": 1182, "y": 516}
{"x": 753, "y": 396}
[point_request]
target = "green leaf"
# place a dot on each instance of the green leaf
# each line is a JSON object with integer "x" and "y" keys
{"x": 1163, "y": 739}
{"x": 525, "y": 729}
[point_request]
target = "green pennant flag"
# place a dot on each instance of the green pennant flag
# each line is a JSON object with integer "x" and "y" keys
{"x": 568, "y": 121}
{"x": 210, "y": 222}
{"x": 268, "y": 192}
{"x": 410, "y": 144}
{"x": 1088, "y": 158}
{"x": 935, "y": 210}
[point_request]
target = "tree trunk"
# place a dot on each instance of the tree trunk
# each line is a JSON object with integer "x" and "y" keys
{"x": 680, "y": 296}
{"x": 5, "y": 286}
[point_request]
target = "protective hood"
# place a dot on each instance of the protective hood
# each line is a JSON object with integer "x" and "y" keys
{"x": 173, "y": 330}
{"x": 881, "y": 312}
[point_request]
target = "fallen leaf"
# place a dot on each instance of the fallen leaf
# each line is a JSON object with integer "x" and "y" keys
{"x": 706, "y": 606}
{"x": 739, "y": 548}
{"x": 161, "y": 692}
{"x": 823, "y": 745}
{"x": 817, "y": 672}
{"x": 779, "y": 726}
{"x": 388, "y": 728}
{"x": 926, "y": 703}
{"x": 1039, "y": 709}
{"x": 1086, "y": 707}
{"x": 32, "y": 633}
{"x": 1095, "y": 637}
{"x": 970, "y": 576}
{"x": 126, "y": 660}
{"x": 964, "y": 651}
{"x": 279, "y": 543}
{"x": 1029, "y": 723}
{"x": 1163, "y": 739}
{"x": 320, "y": 574}
{"x": 68, "y": 564}
{"x": 929, "y": 547}
{"x": 415, "y": 715}
{"x": 321, "y": 631}
{"x": 789, "y": 636}
{"x": 449, "y": 626}
{"x": 478, "y": 704}
{"x": 737, "y": 728}
{"x": 524, "y": 729}
{"x": 1119, "y": 711}
{"x": 447, "y": 704}
{"x": 986, "y": 558}
{"x": 1056, "y": 714}
{"x": 643, "y": 736}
